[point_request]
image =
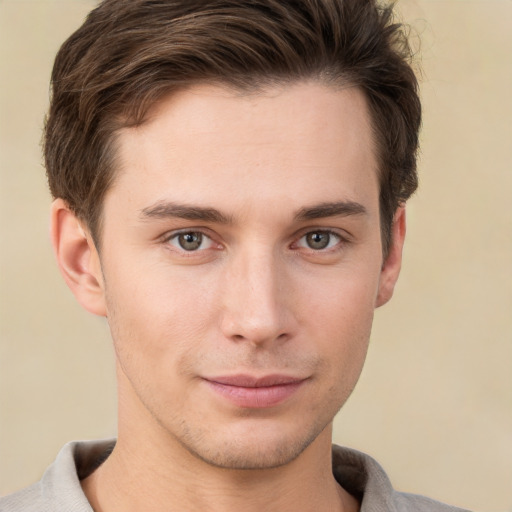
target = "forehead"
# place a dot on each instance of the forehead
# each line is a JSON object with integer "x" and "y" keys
{"x": 287, "y": 143}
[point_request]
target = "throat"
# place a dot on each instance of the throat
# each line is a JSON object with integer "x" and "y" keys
{"x": 118, "y": 484}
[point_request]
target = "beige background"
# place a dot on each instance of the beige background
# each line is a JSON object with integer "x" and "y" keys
{"x": 434, "y": 405}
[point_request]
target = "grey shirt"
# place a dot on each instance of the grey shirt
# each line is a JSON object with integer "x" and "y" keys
{"x": 59, "y": 489}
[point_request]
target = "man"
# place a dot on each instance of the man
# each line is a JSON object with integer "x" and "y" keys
{"x": 230, "y": 182}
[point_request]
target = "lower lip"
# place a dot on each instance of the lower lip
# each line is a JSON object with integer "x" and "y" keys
{"x": 256, "y": 398}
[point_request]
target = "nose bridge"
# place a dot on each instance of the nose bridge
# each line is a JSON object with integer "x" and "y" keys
{"x": 254, "y": 306}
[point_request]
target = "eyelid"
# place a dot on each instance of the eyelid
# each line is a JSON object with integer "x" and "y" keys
{"x": 342, "y": 236}
{"x": 174, "y": 234}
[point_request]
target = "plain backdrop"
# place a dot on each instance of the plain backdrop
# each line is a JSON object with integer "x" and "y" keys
{"x": 434, "y": 404}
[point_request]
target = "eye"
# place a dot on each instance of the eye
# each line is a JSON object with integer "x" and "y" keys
{"x": 319, "y": 240}
{"x": 190, "y": 241}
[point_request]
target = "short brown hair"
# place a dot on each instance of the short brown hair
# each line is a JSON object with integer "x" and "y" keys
{"x": 128, "y": 54}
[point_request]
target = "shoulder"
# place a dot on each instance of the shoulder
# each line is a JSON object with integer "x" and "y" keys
{"x": 26, "y": 500}
{"x": 59, "y": 489}
{"x": 406, "y": 502}
{"x": 363, "y": 477}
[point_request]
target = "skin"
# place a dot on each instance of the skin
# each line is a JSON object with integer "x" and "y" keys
{"x": 255, "y": 184}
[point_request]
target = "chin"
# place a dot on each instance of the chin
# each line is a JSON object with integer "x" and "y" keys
{"x": 254, "y": 449}
{"x": 253, "y": 457}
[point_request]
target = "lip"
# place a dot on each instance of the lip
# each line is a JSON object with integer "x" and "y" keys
{"x": 252, "y": 392}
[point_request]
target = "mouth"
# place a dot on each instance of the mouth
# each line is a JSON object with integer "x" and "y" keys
{"x": 252, "y": 392}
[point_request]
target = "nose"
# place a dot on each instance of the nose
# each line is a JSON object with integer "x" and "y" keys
{"x": 255, "y": 302}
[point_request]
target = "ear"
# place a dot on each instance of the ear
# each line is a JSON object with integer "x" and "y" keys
{"x": 77, "y": 258}
{"x": 391, "y": 266}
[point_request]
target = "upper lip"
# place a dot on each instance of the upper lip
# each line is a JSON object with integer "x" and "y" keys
{"x": 250, "y": 381}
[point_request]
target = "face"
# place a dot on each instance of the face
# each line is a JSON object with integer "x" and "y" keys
{"x": 241, "y": 264}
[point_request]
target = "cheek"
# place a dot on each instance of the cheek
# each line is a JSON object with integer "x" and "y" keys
{"x": 156, "y": 318}
{"x": 342, "y": 317}
{"x": 344, "y": 303}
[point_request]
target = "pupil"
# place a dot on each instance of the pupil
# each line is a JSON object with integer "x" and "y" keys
{"x": 318, "y": 240}
{"x": 190, "y": 241}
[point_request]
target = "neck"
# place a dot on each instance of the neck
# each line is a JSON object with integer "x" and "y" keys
{"x": 151, "y": 470}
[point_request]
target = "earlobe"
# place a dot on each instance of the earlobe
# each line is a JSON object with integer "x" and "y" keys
{"x": 393, "y": 262}
{"x": 77, "y": 258}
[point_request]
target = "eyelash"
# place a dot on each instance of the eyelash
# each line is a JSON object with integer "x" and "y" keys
{"x": 340, "y": 241}
{"x": 175, "y": 236}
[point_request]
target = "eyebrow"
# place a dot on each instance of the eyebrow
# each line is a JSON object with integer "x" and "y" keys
{"x": 165, "y": 209}
{"x": 335, "y": 209}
